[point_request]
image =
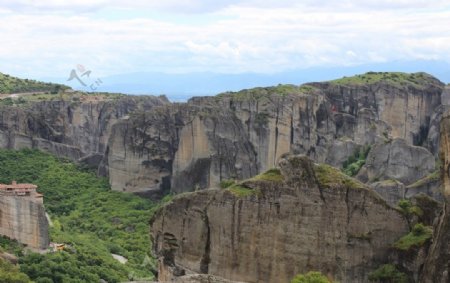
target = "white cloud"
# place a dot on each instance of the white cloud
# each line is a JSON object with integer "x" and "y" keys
{"x": 234, "y": 36}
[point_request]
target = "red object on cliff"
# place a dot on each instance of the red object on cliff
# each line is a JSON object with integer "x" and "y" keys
{"x": 19, "y": 189}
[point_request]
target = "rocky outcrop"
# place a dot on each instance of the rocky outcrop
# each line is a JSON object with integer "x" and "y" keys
{"x": 147, "y": 145}
{"x": 237, "y": 135}
{"x": 23, "y": 218}
{"x": 391, "y": 190}
{"x": 397, "y": 160}
{"x": 180, "y": 148}
{"x": 437, "y": 265}
{"x": 70, "y": 129}
{"x": 271, "y": 227}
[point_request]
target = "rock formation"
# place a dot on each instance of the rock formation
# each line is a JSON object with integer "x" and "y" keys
{"x": 70, "y": 129}
{"x": 236, "y": 135}
{"x": 437, "y": 264}
{"x": 22, "y": 217}
{"x": 148, "y": 146}
{"x": 271, "y": 227}
{"x": 396, "y": 160}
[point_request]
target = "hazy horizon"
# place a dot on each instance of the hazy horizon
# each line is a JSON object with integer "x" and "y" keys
{"x": 242, "y": 43}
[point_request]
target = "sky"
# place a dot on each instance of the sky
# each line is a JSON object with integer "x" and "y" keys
{"x": 48, "y": 38}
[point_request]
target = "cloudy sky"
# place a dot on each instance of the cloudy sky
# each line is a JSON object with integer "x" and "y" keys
{"x": 47, "y": 38}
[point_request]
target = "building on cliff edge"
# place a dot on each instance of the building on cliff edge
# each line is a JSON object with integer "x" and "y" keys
{"x": 22, "y": 215}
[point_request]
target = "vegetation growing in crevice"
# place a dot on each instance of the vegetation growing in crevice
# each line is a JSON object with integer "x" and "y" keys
{"x": 409, "y": 210}
{"x": 388, "y": 273}
{"x": 273, "y": 175}
{"x": 355, "y": 161}
{"x": 416, "y": 238}
{"x": 241, "y": 190}
{"x": 331, "y": 177}
{"x": 433, "y": 177}
{"x": 310, "y": 277}
{"x": 226, "y": 183}
{"x": 90, "y": 218}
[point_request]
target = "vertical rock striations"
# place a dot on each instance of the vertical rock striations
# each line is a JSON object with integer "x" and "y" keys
{"x": 23, "y": 218}
{"x": 437, "y": 264}
{"x": 267, "y": 229}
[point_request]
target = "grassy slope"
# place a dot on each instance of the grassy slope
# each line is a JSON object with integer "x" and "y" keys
{"x": 418, "y": 80}
{"x": 259, "y": 93}
{"x": 9, "y": 84}
{"x": 89, "y": 217}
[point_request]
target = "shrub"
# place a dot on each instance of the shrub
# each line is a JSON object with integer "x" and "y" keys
{"x": 310, "y": 277}
{"x": 226, "y": 183}
{"x": 416, "y": 238}
{"x": 355, "y": 161}
{"x": 388, "y": 273}
{"x": 90, "y": 218}
{"x": 273, "y": 175}
{"x": 9, "y": 273}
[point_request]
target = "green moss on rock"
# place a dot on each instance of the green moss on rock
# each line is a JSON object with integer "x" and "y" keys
{"x": 416, "y": 238}
{"x": 331, "y": 177}
{"x": 273, "y": 175}
{"x": 388, "y": 273}
{"x": 240, "y": 190}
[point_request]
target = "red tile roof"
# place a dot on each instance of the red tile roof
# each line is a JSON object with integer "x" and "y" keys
{"x": 15, "y": 186}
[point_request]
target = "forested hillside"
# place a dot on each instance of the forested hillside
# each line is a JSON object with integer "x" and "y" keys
{"x": 91, "y": 220}
{"x": 10, "y": 84}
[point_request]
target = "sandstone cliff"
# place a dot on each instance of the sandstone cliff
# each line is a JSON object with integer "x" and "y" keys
{"x": 437, "y": 265}
{"x": 271, "y": 227}
{"x": 236, "y": 135}
{"x": 23, "y": 219}
{"x": 149, "y": 146}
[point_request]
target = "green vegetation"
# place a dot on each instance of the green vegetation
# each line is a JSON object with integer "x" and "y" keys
{"x": 416, "y": 238}
{"x": 433, "y": 177}
{"x": 260, "y": 93}
{"x": 11, "y": 246}
{"x": 388, "y": 273}
{"x": 88, "y": 217}
{"x": 10, "y": 273}
{"x": 355, "y": 161}
{"x": 418, "y": 80}
{"x": 408, "y": 209}
{"x": 9, "y": 84}
{"x": 261, "y": 119}
{"x": 331, "y": 177}
{"x": 241, "y": 191}
{"x": 227, "y": 183}
{"x": 273, "y": 175}
{"x": 310, "y": 277}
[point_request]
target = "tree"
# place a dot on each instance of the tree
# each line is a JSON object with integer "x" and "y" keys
{"x": 310, "y": 277}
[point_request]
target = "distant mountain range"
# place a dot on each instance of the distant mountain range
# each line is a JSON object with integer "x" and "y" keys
{"x": 180, "y": 87}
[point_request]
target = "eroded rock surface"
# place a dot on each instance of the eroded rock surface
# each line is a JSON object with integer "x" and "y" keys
{"x": 148, "y": 145}
{"x": 397, "y": 160}
{"x": 437, "y": 265}
{"x": 268, "y": 229}
{"x": 237, "y": 135}
{"x": 23, "y": 219}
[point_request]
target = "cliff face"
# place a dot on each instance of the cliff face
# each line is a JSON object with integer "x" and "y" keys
{"x": 23, "y": 219}
{"x": 437, "y": 265}
{"x": 237, "y": 135}
{"x": 71, "y": 129}
{"x": 267, "y": 229}
{"x": 178, "y": 147}
{"x": 149, "y": 146}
